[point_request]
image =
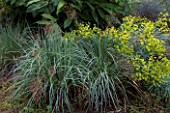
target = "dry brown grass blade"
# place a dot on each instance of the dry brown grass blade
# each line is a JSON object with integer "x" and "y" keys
{"x": 36, "y": 88}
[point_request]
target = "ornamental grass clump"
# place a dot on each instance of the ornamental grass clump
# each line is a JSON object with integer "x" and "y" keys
{"x": 76, "y": 70}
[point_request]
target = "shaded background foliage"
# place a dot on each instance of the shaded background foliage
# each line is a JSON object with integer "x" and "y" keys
{"x": 69, "y": 12}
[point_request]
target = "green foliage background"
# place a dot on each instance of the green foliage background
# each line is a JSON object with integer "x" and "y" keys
{"x": 70, "y": 12}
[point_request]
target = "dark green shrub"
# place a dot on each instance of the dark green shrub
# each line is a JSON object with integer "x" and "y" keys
{"x": 70, "y": 12}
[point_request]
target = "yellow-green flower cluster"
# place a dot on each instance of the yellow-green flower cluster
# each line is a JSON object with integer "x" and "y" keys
{"x": 123, "y": 35}
{"x": 134, "y": 33}
{"x": 144, "y": 30}
{"x": 122, "y": 42}
{"x": 151, "y": 69}
{"x": 155, "y": 46}
{"x": 84, "y": 30}
{"x": 162, "y": 23}
{"x": 154, "y": 70}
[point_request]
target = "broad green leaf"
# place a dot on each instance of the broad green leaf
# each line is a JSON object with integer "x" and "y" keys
{"x": 108, "y": 10}
{"x": 59, "y": 7}
{"x": 12, "y": 2}
{"x": 55, "y": 2}
{"x": 75, "y": 6}
{"x": 67, "y": 22}
{"x": 36, "y": 6}
{"x": 43, "y": 22}
{"x": 80, "y": 4}
{"x": 32, "y": 1}
{"x": 21, "y": 2}
{"x": 48, "y": 16}
{"x": 117, "y": 1}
